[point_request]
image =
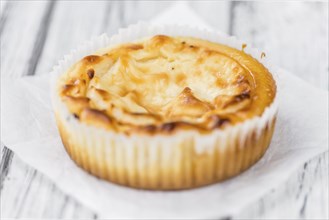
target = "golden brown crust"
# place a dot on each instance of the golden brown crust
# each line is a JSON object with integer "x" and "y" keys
{"x": 95, "y": 117}
{"x": 165, "y": 84}
{"x": 76, "y": 104}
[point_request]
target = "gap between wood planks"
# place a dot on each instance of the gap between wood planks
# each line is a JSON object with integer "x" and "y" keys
{"x": 7, "y": 154}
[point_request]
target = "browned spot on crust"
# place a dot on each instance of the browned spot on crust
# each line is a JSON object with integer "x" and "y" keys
{"x": 159, "y": 40}
{"x": 180, "y": 78}
{"x": 224, "y": 101}
{"x": 158, "y": 76}
{"x": 68, "y": 86}
{"x": 138, "y": 113}
{"x": 69, "y": 89}
{"x": 186, "y": 104}
{"x": 200, "y": 60}
{"x": 221, "y": 100}
{"x": 253, "y": 136}
{"x": 75, "y": 88}
{"x": 168, "y": 127}
{"x": 189, "y": 99}
{"x": 221, "y": 83}
{"x": 91, "y": 73}
{"x": 217, "y": 121}
{"x": 92, "y": 59}
{"x": 94, "y": 116}
{"x": 194, "y": 48}
{"x": 165, "y": 128}
{"x": 135, "y": 47}
{"x": 150, "y": 128}
{"x": 104, "y": 94}
{"x": 222, "y": 122}
{"x": 233, "y": 100}
{"x": 187, "y": 96}
{"x": 208, "y": 52}
{"x": 76, "y": 104}
{"x": 76, "y": 99}
{"x": 244, "y": 86}
{"x": 240, "y": 79}
{"x": 242, "y": 96}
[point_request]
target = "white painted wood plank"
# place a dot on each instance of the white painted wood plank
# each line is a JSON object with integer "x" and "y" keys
{"x": 29, "y": 194}
{"x": 216, "y": 13}
{"x": 315, "y": 197}
{"x": 20, "y": 39}
{"x": 19, "y": 35}
{"x": 303, "y": 196}
{"x": 121, "y": 14}
{"x": 292, "y": 34}
{"x": 75, "y": 22}
{"x": 4, "y": 10}
{"x": 2, "y": 6}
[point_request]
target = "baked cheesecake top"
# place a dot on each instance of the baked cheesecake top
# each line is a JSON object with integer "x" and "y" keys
{"x": 164, "y": 84}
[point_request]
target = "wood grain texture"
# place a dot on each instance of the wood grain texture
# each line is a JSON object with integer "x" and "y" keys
{"x": 29, "y": 194}
{"x": 303, "y": 196}
{"x": 75, "y": 22}
{"x": 19, "y": 36}
{"x": 294, "y": 35}
{"x": 36, "y": 34}
{"x": 16, "y": 50}
{"x": 6, "y": 157}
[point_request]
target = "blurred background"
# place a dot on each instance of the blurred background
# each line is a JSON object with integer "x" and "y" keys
{"x": 36, "y": 34}
{"x": 293, "y": 34}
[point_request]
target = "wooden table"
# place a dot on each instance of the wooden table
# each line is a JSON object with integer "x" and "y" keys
{"x": 35, "y": 34}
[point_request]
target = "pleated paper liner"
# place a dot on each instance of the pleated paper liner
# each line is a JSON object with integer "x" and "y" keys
{"x": 186, "y": 159}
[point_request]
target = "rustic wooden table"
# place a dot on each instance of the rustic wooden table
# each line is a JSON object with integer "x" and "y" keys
{"x": 35, "y": 34}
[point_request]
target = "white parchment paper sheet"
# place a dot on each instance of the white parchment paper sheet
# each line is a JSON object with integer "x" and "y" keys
{"x": 28, "y": 128}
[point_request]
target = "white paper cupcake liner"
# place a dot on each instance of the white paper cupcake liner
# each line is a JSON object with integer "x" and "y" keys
{"x": 185, "y": 159}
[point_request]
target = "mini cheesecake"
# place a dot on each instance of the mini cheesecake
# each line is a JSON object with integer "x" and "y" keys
{"x": 166, "y": 112}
